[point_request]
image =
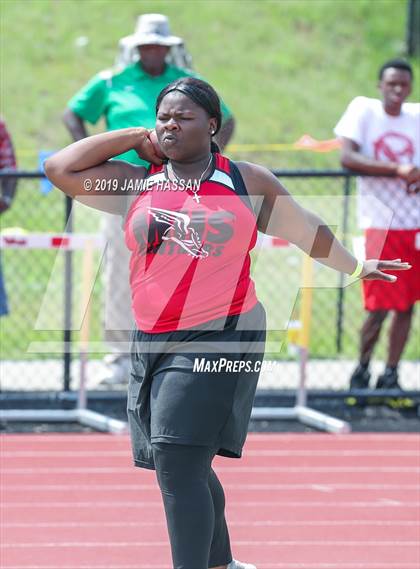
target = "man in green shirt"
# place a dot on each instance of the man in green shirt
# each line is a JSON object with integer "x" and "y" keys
{"x": 126, "y": 97}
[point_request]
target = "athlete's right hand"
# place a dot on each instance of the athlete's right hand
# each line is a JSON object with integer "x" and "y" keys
{"x": 147, "y": 149}
{"x": 154, "y": 140}
{"x": 373, "y": 269}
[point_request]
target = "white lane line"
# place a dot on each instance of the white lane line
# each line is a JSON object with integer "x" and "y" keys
{"x": 71, "y": 470}
{"x": 263, "y": 566}
{"x": 264, "y": 523}
{"x": 131, "y": 470}
{"x": 329, "y": 566}
{"x": 247, "y": 452}
{"x": 322, "y": 487}
{"x": 269, "y": 543}
{"x": 382, "y": 503}
{"x": 106, "y": 437}
{"x": 63, "y": 453}
{"x": 338, "y": 452}
{"x": 327, "y": 469}
{"x": 223, "y": 470}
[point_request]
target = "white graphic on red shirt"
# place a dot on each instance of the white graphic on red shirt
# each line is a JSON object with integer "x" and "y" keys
{"x": 179, "y": 231}
{"x": 394, "y": 147}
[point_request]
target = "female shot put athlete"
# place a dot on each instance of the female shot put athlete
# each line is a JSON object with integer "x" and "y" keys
{"x": 190, "y": 221}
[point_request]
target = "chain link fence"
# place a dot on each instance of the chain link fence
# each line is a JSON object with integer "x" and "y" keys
{"x": 40, "y": 335}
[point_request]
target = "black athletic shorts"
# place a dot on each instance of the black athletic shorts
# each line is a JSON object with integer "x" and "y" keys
{"x": 195, "y": 387}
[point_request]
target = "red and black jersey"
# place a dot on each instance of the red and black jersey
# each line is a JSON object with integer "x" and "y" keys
{"x": 190, "y": 258}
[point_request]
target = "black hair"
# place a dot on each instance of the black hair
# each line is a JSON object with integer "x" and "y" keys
{"x": 202, "y": 94}
{"x": 396, "y": 64}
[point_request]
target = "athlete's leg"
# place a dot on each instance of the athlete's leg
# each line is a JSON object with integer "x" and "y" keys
{"x": 220, "y": 552}
{"x": 183, "y": 473}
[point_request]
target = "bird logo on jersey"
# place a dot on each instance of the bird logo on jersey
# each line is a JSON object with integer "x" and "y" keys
{"x": 179, "y": 231}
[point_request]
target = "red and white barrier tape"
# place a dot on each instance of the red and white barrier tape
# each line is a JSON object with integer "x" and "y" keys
{"x": 77, "y": 241}
{"x": 65, "y": 241}
{"x": 267, "y": 241}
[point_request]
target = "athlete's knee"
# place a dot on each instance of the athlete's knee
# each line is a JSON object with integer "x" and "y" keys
{"x": 217, "y": 493}
{"x": 169, "y": 467}
{"x": 181, "y": 466}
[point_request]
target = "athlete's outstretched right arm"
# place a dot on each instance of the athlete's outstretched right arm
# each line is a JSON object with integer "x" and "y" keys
{"x": 84, "y": 170}
{"x": 280, "y": 215}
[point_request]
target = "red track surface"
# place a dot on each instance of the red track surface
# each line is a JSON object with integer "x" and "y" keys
{"x": 294, "y": 501}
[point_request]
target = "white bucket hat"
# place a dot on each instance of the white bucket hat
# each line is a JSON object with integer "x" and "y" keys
{"x": 152, "y": 29}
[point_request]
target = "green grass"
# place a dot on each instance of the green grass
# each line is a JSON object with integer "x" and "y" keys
{"x": 285, "y": 68}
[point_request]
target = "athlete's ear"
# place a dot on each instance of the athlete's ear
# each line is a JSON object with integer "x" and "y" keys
{"x": 212, "y": 126}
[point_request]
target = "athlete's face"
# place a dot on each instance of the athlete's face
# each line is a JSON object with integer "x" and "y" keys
{"x": 395, "y": 87}
{"x": 183, "y": 128}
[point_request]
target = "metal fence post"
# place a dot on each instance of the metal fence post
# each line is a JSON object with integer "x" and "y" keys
{"x": 68, "y": 289}
{"x": 340, "y": 300}
{"x": 413, "y": 27}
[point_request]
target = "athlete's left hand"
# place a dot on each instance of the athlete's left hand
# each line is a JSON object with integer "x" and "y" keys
{"x": 373, "y": 269}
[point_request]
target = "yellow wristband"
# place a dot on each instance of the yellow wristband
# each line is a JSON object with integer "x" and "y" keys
{"x": 358, "y": 270}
